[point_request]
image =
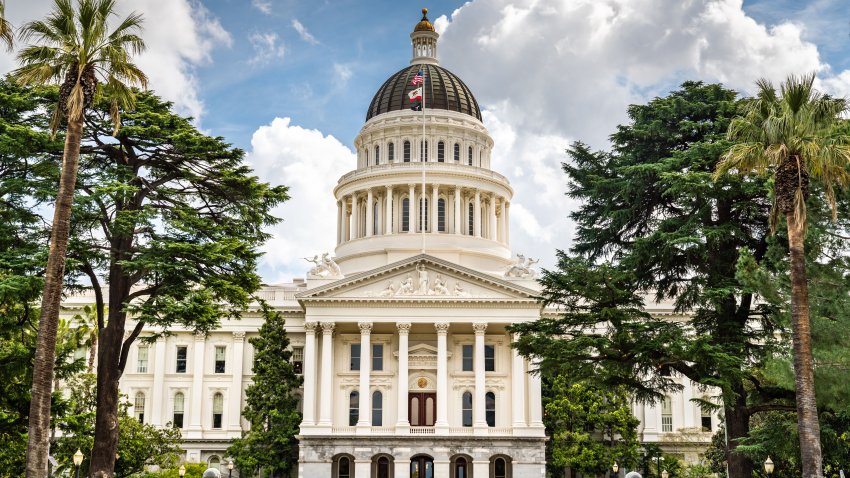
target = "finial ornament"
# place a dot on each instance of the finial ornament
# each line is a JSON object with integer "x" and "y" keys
{"x": 424, "y": 13}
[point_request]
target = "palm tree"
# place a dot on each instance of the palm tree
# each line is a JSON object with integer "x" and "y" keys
{"x": 72, "y": 46}
{"x": 6, "y": 34}
{"x": 794, "y": 135}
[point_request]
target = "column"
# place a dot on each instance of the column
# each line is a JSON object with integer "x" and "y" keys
{"x": 309, "y": 415}
{"x": 339, "y": 222}
{"x": 688, "y": 408}
{"x": 435, "y": 211}
{"x": 477, "y": 214}
{"x": 355, "y": 217}
{"x": 507, "y": 223}
{"x": 442, "y": 378}
{"x": 346, "y": 221}
{"x": 326, "y": 389}
{"x": 535, "y": 399}
{"x": 159, "y": 365}
{"x": 411, "y": 210}
{"x": 518, "y": 388}
{"x": 492, "y": 211}
{"x": 403, "y": 374}
{"x": 388, "y": 225}
{"x": 369, "y": 213}
{"x": 502, "y": 222}
{"x": 197, "y": 398}
{"x": 235, "y": 402}
{"x": 458, "y": 215}
{"x": 364, "y": 423}
{"x": 478, "y": 407}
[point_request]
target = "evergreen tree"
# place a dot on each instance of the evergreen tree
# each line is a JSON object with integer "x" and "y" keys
{"x": 652, "y": 212}
{"x": 271, "y": 404}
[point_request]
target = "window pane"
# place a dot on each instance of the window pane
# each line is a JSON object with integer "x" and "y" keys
{"x": 441, "y": 152}
{"x": 407, "y": 151}
{"x": 429, "y": 411}
{"x": 181, "y": 360}
{"x": 441, "y": 215}
{"x": 298, "y": 359}
{"x": 405, "y": 214}
{"x": 353, "y": 408}
{"x": 142, "y": 366}
{"x": 218, "y": 403}
{"x": 490, "y": 407}
{"x": 391, "y": 152}
{"x": 500, "y": 468}
{"x": 414, "y": 411}
{"x": 470, "y": 229}
{"x": 377, "y": 356}
{"x": 355, "y": 357}
{"x": 466, "y": 406}
{"x": 423, "y": 214}
{"x": 178, "y": 402}
{"x": 377, "y": 409}
{"x": 377, "y": 155}
{"x": 467, "y": 358}
{"x": 457, "y": 152}
{"x": 220, "y": 352}
{"x": 470, "y": 156}
{"x": 344, "y": 468}
{"x": 489, "y": 358}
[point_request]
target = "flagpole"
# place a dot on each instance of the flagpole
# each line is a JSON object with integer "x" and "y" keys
{"x": 423, "y": 200}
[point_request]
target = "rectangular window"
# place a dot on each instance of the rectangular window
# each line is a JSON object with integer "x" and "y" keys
{"x": 467, "y": 358}
{"x": 377, "y": 356}
{"x": 220, "y": 351}
{"x": 666, "y": 415}
{"x": 298, "y": 359}
{"x": 355, "y": 357}
{"x": 178, "y": 410}
{"x": 441, "y": 215}
{"x": 706, "y": 423}
{"x": 139, "y": 407}
{"x": 405, "y": 215}
{"x": 181, "y": 360}
{"x": 489, "y": 358}
{"x": 142, "y": 362}
{"x": 391, "y": 152}
{"x": 377, "y": 409}
{"x": 406, "y": 151}
{"x": 218, "y": 410}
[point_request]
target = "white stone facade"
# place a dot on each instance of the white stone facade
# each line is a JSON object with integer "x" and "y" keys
{"x": 409, "y": 317}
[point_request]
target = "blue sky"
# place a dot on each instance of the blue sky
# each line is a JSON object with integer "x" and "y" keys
{"x": 289, "y": 81}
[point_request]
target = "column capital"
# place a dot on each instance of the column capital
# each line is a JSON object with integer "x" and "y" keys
{"x": 389, "y": 188}
{"x": 365, "y": 328}
{"x": 328, "y": 327}
{"x": 239, "y": 336}
{"x": 403, "y": 328}
{"x": 310, "y": 327}
{"x": 442, "y": 328}
{"x": 479, "y": 327}
{"x": 200, "y": 336}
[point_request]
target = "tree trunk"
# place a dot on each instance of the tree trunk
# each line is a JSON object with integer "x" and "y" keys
{"x": 38, "y": 444}
{"x": 92, "y": 351}
{"x": 737, "y": 426}
{"x": 804, "y": 372}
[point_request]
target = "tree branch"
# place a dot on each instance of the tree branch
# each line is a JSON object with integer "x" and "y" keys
{"x": 98, "y": 294}
{"x": 770, "y": 407}
{"x": 125, "y": 348}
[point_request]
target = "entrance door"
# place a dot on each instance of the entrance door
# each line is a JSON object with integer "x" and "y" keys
{"x": 422, "y": 409}
{"x": 421, "y": 467}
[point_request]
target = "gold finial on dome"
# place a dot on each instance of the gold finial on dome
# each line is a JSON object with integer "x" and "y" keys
{"x": 424, "y": 24}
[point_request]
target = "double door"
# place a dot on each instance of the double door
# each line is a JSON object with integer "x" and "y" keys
{"x": 421, "y": 409}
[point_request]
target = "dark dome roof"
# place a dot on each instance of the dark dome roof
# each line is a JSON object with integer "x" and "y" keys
{"x": 443, "y": 90}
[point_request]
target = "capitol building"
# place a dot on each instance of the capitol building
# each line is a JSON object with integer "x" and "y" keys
{"x": 400, "y": 333}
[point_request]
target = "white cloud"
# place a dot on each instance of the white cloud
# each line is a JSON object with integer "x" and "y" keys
{"x": 342, "y": 72}
{"x": 264, "y": 6}
{"x": 302, "y": 31}
{"x": 310, "y": 163}
{"x": 266, "y": 48}
{"x": 180, "y": 36}
{"x": 548, "y": 72}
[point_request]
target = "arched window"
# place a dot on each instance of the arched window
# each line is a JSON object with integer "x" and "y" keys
{"x": 391, "y": 152}
{"x": 353, "y": 408}
{"x": 500, "y": 468}
{"x": 441, "y": 152}
{"x": 406, "y": 151}
{"x": 457, "y": 153}
{"x": 405, "y": 214}
{"x": 218, "y": 409}
{"x": 343, "y": 468}
{"x": 139, "y": 406}
{"x": 461, "y": 468}
{"x": 490, "y": 407}
{"x": 215, "y": 462}
{"x": 377, "y": 409}
{"x": 441, "y": 215}
{"x": 466, "y": 407}
{"x": 469, "y": 159}
{"x": 471, "y": 220}
{"x": 425, "y": 149}
{"x": 423, "y": 214}
{"x": 179, "y": 402}
{"x": 383, "y": 467}
{"x": 377, "y": 155}
{"x": 375, "y": 217}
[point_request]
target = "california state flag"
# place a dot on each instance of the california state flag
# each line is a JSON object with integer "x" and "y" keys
{"x": 415, "y": 94}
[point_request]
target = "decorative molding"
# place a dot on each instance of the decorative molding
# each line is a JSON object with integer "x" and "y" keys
{"x": 365, "y": 327}
{"x": 200, "y": 336}
{"x": 479, "y": 327}
{"x": 328, "y": 327}
{"x": 403, "y": 328}
{"x": 442, "y": 328}
{"x": 310, "y": 327}
{"x": 239, "y": 336}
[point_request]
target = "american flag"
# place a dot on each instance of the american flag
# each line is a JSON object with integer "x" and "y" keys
{"x": 417, "y": 80}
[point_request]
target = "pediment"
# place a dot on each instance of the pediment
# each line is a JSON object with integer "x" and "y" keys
{"x": 420, "y": 278}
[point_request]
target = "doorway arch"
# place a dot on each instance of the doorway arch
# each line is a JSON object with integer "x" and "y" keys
{"x": 422, "y": 466}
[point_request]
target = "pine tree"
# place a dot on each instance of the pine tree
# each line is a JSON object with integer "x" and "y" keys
{"x": 271, "y": 404}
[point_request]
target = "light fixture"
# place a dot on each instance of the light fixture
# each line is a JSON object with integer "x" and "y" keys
{"x": 768, "y": 466}
{"x": 615, "y": 468}
{"x": 78, "y": 458}
{"x": 230, "y": 464}
{"x": 182, "y": 470}
{"x": 664, "y": 474}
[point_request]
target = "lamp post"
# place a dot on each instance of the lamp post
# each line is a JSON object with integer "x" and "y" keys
{"x": 664, "y": 474}
{"x": 768, "y": 466}
{"x": 78, "y": 460}
{"x": 615, "y": 468}
{"x": 230, "y": 468}
{"x": 181, "y": 471}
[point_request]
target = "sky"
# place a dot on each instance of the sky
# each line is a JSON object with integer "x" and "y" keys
{"x": 289, "y": 82}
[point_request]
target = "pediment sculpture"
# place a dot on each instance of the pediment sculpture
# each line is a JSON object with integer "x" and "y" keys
{"x": 324, "y": 267}
{"x": 521, "y": 268}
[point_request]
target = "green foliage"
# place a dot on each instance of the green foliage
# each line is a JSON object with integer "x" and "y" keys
{"x": 271, "y": 405}
{"x": 193, "y": 470}
{"x": 140, "y": 444}
{"x": 591, "y": 427}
